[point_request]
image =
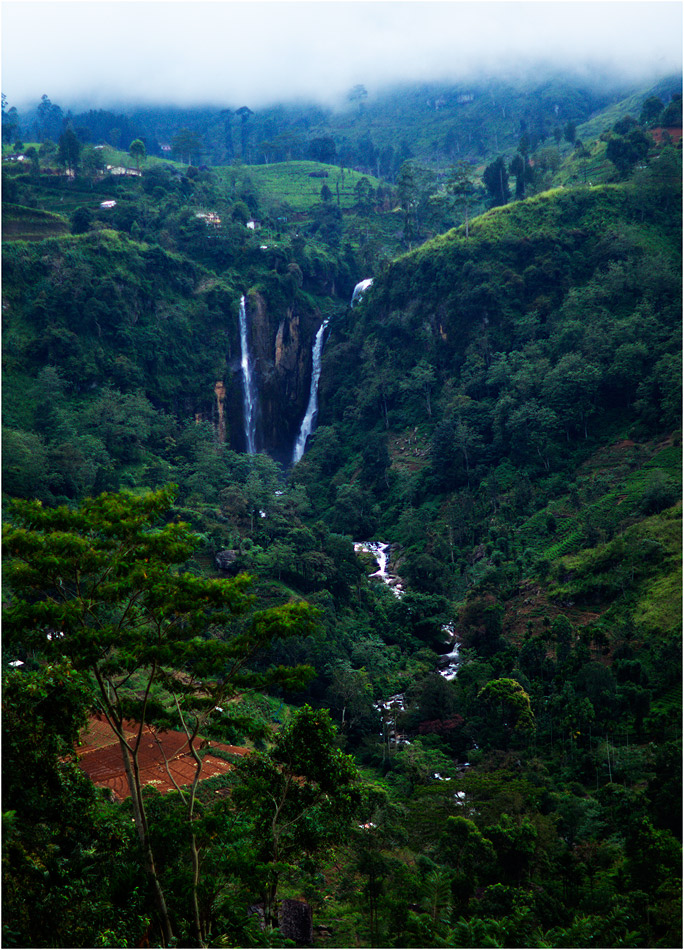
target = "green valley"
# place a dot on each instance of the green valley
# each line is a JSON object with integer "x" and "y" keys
{"x": 420, "y": 687}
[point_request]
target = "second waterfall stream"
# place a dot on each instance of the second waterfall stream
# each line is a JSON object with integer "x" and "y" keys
{"x": 309, "y": 419}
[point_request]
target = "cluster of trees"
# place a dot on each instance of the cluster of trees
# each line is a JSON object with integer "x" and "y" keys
{"x": 628, "y": 145}
{"x": 136, "y": 640}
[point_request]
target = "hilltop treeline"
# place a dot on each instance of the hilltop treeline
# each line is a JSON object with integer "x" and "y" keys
{"x": 373, "y": 130}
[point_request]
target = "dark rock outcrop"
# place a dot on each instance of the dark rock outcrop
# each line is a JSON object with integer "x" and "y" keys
{"x": 281, "y": 339}
{"x": 226, "y": 561}
{"x": 296, "y": 922}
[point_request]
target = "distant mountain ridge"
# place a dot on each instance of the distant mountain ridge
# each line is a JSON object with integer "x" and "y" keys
{"x": 436, "y": 123}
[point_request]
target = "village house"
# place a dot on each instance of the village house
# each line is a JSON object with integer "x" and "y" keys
{"x": 120, "y": 170}
{"x": 209, "y": 216}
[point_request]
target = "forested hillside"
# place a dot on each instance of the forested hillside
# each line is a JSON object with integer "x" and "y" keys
{"x": 475, "y": 744}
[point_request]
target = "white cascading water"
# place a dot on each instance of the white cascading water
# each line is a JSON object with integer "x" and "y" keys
{"x": 309, "y": 419}
{"x": 450, "y": 670}
{"x": 379, "y": 550}
{"x": 360, "y": 289}
{"x": 248, "y": 389}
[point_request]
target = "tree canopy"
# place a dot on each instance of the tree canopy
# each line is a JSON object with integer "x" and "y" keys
{"x": 100, "y": 585}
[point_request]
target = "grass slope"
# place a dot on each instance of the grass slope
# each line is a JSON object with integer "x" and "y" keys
{"x": 290, "y": 185}
{"x": 31, "y": 224}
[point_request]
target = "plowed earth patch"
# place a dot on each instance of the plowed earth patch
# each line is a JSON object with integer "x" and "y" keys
{"x": 164, "y": 757}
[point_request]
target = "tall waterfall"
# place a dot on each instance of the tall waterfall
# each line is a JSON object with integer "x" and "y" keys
{"x": 360, "y": 289}
{"x": 249, "y": 402}
{"x": 307, "y": 425}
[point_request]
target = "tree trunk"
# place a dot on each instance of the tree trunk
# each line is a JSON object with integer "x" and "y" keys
{"x": 194, "y": 851}
{"x": 140, "y": 818}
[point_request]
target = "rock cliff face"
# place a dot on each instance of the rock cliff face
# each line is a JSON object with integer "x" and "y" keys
{"x": 280, "y": 340}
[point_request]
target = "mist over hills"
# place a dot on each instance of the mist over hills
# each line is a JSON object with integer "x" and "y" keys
{"x": 436, "y": 122}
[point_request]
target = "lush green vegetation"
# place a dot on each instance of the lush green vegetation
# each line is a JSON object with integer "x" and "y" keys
{"x": 297, "y": 185}
{"x": 503, "y": 407}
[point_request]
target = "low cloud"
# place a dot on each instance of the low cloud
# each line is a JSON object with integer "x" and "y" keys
{"x": 260, "y": 52}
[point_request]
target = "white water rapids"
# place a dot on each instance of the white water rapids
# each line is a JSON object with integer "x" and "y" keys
{"x": 450, "y": 670}
{"x": 379, "y": 550}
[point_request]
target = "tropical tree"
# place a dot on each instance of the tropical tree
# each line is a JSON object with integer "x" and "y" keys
{"x": 10, "y": 123}
{"x": 69, "y": 151}
{"x": 301, "y": 796}
{"x": 100, "y": 586}
{"x": 65, "y": 856}
{"x": 50, "y": 119}
{"x": 137, "y": 152}
{"x": 322, "y": 149}
{"x": 186, "y": 146}
{"x": 244, "y": 112}
{"x": 508, "y": 707}
{"x": 92, "y": 162}
{"x": 461, "y": 186}
{"x": 495, "y": 180}
{"x": 408, "y": 193}
{"x": 651, "y": 111}
{"x": 626, "y": 151}
{"x": 358, "y": 94}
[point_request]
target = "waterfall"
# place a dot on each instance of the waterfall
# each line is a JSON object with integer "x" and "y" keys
{"x": 307, "y": 425}
{"x": 248, "y": 387}
{"x": 360, "y": 289}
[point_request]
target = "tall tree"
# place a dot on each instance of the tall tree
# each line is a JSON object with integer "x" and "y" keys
{"x": 301, "y": 796}
{"x": 322, "y": 149}
{"x": 186, "y": 146}
{"x": 228, "y": 134}
{"x": 137, "y": 152}
{"x": 50, "y": 120}
{"x": 358, "y": 94}
{"x": 517, "y": 168}
{"x": 626, "y": 151}
{"x": 244, "y": 112}
{"x": 460, "y": 185}
{"x": 495, "y": 180}
{"x": 407, "y": 190}
{"x": 570, "y": 132}
{"x": 59, "y": 844}
{"x": 69, "y": 151}
{"x": 10, "y": 123}
{"x": 651, "y": 111}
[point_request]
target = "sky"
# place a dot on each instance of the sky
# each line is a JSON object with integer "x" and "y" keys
{"x": 94, "y": 54}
